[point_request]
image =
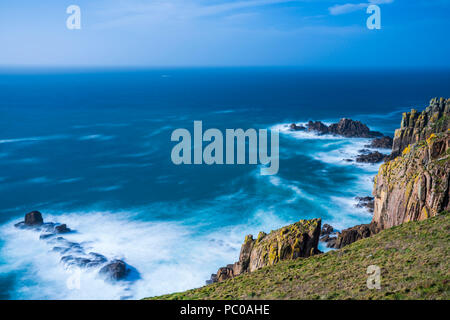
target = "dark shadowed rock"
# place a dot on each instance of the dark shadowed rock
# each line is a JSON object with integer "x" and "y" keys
{"x": 34, "y": 218}
{"x": 356, "y": 233}
{"x": 365, "y": 202}
{"x": 383, "y": 142}
{"x": 326, "y": 229}
{"x": 115, "y": 270}
{"x": 62, "y": 229}
{"x": 372, "y": 157}
{"x": 295, "y": 127}
{"x": 351, "y": 128}
{"x": 318, "y": 127}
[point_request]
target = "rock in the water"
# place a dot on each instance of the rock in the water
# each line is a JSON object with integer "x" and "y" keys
{"x": 34, "y": 218}
{"x": 62, "y": 229}
{"x": 296, "y": 240}
{"x": 318, "y": 127}
{"x": 384, "y": 142}
{"x": 351, "y": 128}
{"x": 115, "y": 270}
{"x": 295, "y": 127}
{"x": 326, "y": 229}
{"x": 373, "y": 157}
{"x": 365, "y": 202}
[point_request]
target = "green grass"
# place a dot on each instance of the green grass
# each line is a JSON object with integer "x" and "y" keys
{"x": 413, "y": 259}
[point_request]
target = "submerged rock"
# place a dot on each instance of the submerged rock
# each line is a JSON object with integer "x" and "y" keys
{"x": 115, "y": 270}
{"x": 372, "y": 157}
{"x": 384, "y": 142}
{"x": 62, "y": 229}
{"x": 295, "y": 127}
{"x": 365, "y": 202}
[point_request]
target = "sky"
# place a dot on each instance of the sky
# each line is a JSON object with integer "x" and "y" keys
{"x": 162, "y": 33}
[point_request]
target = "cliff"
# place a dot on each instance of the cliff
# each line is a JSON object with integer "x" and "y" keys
{"x": 296, "y": 240}
{"x": 414, "y": 185}
{"x": 417, "y": 126}
{"x": 413, "y": 259}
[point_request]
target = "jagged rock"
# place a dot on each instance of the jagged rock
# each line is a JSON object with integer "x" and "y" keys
{"x": 417, "y": 126}
{"x": 318, "y": 127}
{"x": 372, "y": 157}
{"x": 351, "y": 128}
{"x": 326, "y": 229}
{"x": 33, "y": 218}
{"x": 115, "y": 270}
{"x": 296, "y": 240}
{"x": 62, "y": 229}
{"x": 365, "y": 202}
{"x": 345, "y": 127}
{"x": 384, "y": 142}
{"x": 355, "y": 233}
{"x": 295, "y": 127}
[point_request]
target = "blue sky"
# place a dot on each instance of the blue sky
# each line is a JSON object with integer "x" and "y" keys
{"x": 308, "y": 33}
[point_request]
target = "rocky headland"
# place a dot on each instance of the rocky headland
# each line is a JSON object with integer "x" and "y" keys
{"x": 412, "y": 185}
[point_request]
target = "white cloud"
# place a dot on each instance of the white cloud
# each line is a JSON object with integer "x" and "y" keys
{"x": 351, "y": 7}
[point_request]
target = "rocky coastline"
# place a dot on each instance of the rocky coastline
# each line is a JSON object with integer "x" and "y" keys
{"x": 74, "y": 254}
{"x": 412, "y": 185}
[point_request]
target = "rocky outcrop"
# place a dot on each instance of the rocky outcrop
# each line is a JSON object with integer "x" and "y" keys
{"x": 328, "y": 235}
{"x": 384, "y": 142}
{"x": 417, "y": 126}
{"x": 74, "y": 254}
{"x": 318, "y": 127}
{"x": 356, "y": 233}
{"x": 371, "y": 157}
{"x": 115, "y": 270}
{"x": 294, "y": 241}
{"x": 345, "y": 127}
{"x": 351, "y": 128}
{"x": 415, "y": 185}
{"x": 33, "y": 218}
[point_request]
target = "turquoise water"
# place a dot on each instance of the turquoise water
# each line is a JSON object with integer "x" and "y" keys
{"x": 91, "y": 148}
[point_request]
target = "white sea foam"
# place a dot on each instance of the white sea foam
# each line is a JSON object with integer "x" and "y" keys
{"x": 99, "y": 137}
{"x": 34, "y": 139}
{"x": 168, "y": 255}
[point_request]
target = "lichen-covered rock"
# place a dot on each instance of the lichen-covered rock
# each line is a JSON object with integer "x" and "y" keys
{"x": 296, "y": 240}
{"x": 417, "y": 126}
{"x": 415, "y": 185}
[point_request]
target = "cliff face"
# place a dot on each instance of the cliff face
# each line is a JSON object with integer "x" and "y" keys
{"x": 417, "y": 126}
{"x": 296, "y": 240}
{"x": 414, "y": 185}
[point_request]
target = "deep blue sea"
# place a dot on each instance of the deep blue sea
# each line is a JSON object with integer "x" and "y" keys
{"x": 91, "y": 148}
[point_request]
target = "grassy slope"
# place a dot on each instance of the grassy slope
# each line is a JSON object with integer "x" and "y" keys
{"x": 414, "y": 259}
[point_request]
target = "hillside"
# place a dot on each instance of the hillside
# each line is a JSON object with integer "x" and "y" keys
{"x": 413, "y": 258}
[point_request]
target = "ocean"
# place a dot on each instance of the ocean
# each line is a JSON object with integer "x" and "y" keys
{"x": 91, "y": 148}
